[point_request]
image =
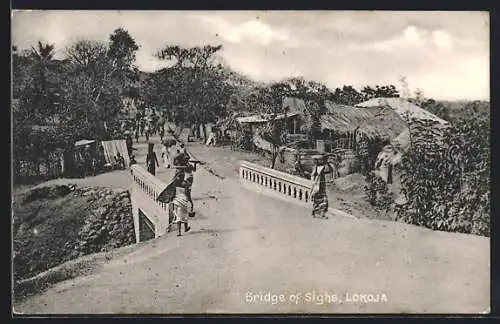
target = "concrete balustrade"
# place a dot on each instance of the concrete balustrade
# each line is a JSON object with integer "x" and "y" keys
{"x": 275, "y": 183}
{"x": 145, "y": 190}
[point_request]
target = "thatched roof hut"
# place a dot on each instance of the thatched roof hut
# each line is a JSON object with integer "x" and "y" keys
{"x": 402, "y": 107}
{"x": 372, "y": 122}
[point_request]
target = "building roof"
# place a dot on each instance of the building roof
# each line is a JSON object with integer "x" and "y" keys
{"x": 84, "y": 142}
{"x": 264, "y": 118}
{"x": 373, "y": 122}
{"x": 402, "y": 107}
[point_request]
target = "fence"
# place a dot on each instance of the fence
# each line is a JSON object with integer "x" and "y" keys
{"x": 46, "y": 168}
{"x": 275, "y": 183}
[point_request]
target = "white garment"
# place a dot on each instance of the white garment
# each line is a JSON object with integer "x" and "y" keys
{"x": 211, "y": 139}
{"x": 164, "y": 154}
{"x": 317, "y": 172}
{"x": 180, "y": 208}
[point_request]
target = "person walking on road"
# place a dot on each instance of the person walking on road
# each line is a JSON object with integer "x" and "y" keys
{"x": 142, "y": 125}
{"x": 318, "y": 194}
{"x": 180, "y": 209}
{"x": 147, "y": 132}
{"x": 151, "y": 159}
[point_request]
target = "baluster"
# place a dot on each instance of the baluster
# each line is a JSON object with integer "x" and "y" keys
{"x": 274, "y": 184}
{"x": 300, "y": 194}
{"x": 294, "y": 192}
{"x": 307, "y": 196}
{"x": 289, "y": 190}
{"x": 279, "y": 186}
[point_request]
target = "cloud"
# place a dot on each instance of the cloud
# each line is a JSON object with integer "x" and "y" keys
{"x": 252, "y": 30}
{"x": 436, "y": 51}
{"x": 442, "y": 39}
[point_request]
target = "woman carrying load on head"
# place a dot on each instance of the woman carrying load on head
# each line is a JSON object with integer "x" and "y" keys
{"x": 318, "y": 195}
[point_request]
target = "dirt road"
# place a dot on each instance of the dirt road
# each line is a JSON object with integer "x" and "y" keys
{"x": 250, "y": 253}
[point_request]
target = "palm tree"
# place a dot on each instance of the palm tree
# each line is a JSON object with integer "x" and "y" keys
{"x": 43, "y": 62}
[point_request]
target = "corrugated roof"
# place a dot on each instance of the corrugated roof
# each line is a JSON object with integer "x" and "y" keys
{"x": 84, "y": 142}
{"x": 264, "y": 118}
{"x": 402, "y": 107}
{"x": 373, "y": 122}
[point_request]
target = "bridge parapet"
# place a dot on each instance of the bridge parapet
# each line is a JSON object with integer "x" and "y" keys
{"x": 275, "y": 183}
{"x": 145, "y": 190}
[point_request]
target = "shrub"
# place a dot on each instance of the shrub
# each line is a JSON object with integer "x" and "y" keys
{"x": 377, "y": 192}
{"x": 242, "y": 138}
{"x": 446, "y": 182}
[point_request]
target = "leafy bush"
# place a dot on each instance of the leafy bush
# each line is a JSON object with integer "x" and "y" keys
{"x": 241, "y": 138}
{"x": 377, "y": 192}
{"x": 445, "y": 176}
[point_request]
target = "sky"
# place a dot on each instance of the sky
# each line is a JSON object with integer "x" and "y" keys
{"x": 444, "y": 54}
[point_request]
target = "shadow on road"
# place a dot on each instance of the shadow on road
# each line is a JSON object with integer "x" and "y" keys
{"x": 211, "y": 197}
{"x": 217, "y": 231}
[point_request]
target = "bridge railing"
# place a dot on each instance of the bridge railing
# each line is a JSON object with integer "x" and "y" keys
{"x": 148, "y": 184}
{"x": 145, "y": 190}
{"x": 279, "y": 184}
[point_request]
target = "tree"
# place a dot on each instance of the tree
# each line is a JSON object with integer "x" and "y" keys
{"x": 87, "y": 54}
{"x": 437, "y": 108}
{"x": 44, "y": 92}
{"x": 196, "y": 82}
{"x": 348, "y": 95}
{"x": 386, "y": 91}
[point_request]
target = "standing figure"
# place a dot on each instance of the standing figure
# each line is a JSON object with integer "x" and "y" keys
{"x": 129, "y": 143}
{"x": 136, "y": 134}
{"x": 142, "y": 125}
{"x": 120, "y": 161}
{"x": 177, "y": 182}
{"x": 211, "y": 137}
{"x": 188, "y": 182}
{"x": 132, "y": 160}
{"x": 180, "y": 210}
{"x": 87, "y": 161}
{"x": 146, "y": 131}
{"x": 318, "y": 194}
{"x": 162, "y": 132}
{"x": 152, "y": 160}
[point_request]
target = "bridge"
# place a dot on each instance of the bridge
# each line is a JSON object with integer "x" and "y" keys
{"x": 253, "y": 236}
{"x": 151, "y": 216}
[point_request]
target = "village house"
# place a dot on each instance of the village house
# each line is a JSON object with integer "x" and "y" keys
{"x": 390, "y": 156}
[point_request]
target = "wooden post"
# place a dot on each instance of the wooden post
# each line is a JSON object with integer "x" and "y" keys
{"x": 295, "y": 126}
